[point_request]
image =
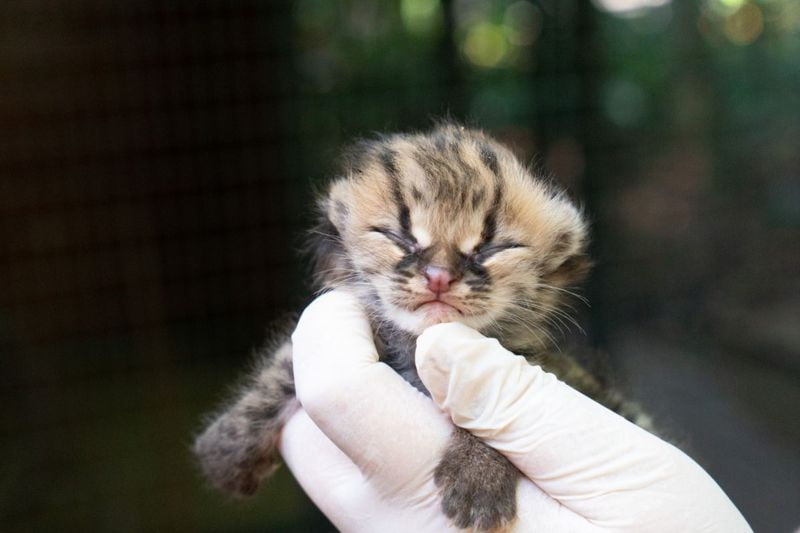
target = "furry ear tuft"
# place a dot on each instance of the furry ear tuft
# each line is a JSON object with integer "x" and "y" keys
{"x": 324, "y": 243}
{"x": 570, "y": 272}
{"x": 567, "y": 263}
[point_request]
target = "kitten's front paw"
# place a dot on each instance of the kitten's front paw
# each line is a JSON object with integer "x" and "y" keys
{"x": 233, "y": 459}
{"x": 478, "y": 484}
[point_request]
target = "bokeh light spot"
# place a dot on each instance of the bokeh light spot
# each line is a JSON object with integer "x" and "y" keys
{"x": 744, "y": 25}
{"x": 628, "y": 8}
{"x": 486, "y": 45}
{"x": 421, "y": 16}
{"x": 788, "y": 18}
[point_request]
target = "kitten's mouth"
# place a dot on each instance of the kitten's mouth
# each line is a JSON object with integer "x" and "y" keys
{"x": 427, "y": 310}
{"x": 436, "y": 311}
{"x": 438, "y": 305}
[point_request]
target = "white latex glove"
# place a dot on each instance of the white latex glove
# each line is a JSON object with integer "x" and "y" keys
{"x": 366, "y": 443}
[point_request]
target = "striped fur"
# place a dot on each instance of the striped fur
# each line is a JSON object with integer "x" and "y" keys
{"x": 455, "y": 199}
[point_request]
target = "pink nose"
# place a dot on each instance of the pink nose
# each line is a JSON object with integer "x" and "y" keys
{"x": 439, "y": 279}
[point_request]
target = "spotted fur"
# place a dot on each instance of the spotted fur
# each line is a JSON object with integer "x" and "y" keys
{"x": 453, "y": 199}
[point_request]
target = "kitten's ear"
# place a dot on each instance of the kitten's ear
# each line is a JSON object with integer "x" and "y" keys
{"x": 566, "y": 263}
{"x": 324, "y": 245}
{"x": 334, "y": 204}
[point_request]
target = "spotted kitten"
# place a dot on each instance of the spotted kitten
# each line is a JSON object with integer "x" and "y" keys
{"x": 428, "y": 228}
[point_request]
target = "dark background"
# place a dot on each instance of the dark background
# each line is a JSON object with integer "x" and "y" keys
{"x": 157, "y": 162}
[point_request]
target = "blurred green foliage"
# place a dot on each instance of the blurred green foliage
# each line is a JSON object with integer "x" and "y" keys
{"x": 158, "y": 160}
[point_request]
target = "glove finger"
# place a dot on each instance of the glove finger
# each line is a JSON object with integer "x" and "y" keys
{"x": 351, "y": 502}
{"x": 585, "y": 456}
{"x": 341, "y": 491}
{"x": 391, "y": 431}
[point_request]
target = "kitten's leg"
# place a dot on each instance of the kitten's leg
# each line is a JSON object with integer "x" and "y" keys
{"x": 238, "y": 448}
{"x": 478, "y": 484}
{"x": 573, "y": 374}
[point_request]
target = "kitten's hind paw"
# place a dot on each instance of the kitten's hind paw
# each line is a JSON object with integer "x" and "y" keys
{"x": 478, "y": 484}
{"x": 233, "y": 459}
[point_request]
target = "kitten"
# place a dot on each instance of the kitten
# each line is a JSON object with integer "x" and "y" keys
{"x": 428, "y": 228}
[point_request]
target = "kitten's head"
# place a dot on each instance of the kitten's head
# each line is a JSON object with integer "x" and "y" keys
{"x": 449, "y": 226}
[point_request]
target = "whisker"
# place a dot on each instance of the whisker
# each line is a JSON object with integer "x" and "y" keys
{"x": 566, "y": 291}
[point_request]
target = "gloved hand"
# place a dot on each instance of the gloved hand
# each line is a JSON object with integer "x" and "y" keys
{"x": 366, "y": 443}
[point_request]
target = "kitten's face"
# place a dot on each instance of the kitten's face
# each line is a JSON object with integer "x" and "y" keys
{"x": 450, "y": 227}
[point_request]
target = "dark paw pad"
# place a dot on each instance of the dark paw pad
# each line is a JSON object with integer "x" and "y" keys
{"x": 478, "y": 485}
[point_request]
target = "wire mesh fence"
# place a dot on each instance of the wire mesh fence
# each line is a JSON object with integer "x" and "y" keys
{"x": 158, "y": 163}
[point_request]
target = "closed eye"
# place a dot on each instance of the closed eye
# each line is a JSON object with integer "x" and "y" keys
{"x": 406, "y": 244}
{"x": 485, "y": 251}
